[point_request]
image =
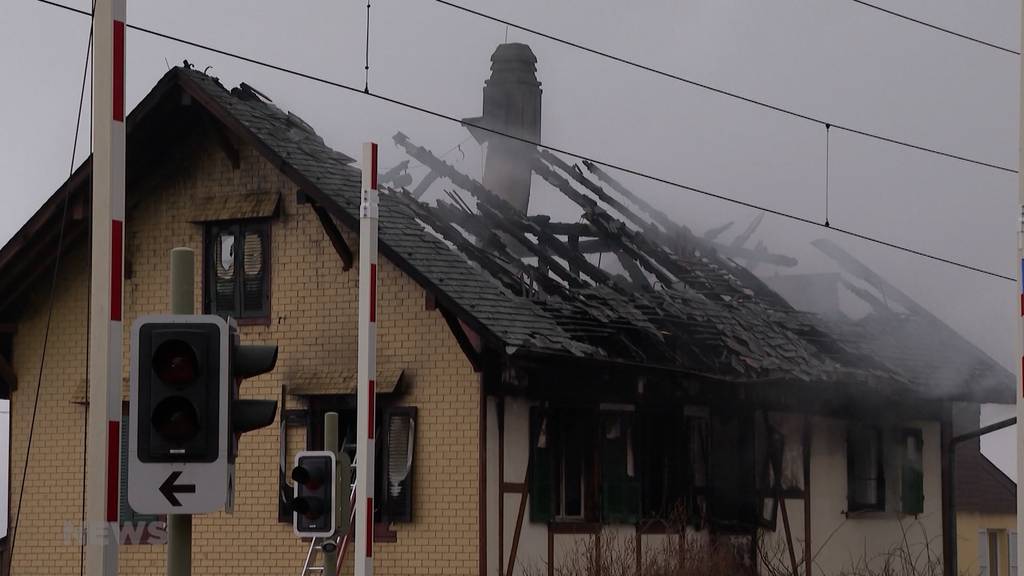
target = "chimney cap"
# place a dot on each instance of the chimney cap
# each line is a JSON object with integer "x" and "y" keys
{"x": 513, "y": 52}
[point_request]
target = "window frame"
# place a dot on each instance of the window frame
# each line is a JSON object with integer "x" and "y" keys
{"x": 211, "y": 230}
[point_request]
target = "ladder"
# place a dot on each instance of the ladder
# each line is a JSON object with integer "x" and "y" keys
{"x": 341, "y": 541}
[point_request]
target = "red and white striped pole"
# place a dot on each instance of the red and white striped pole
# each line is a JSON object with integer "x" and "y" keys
{"x": 1019, "y": 392}
{"x": 108, "y": 176}
{"x": 365, "y": 453}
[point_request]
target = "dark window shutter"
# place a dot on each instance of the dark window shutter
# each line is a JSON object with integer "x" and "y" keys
{"x": 541, "y": 485}
{"x": 620, "y": 481}
{"x": 912, "y": 477}
{"x": 400, "y": 436}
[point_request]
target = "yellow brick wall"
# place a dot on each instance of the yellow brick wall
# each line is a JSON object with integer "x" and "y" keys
{"x": 313, "y": 320}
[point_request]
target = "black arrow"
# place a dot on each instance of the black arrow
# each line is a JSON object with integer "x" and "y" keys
{"x": 169, "y": 488}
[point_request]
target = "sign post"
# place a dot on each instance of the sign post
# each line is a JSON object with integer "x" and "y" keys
{"x": 367, "y": 364}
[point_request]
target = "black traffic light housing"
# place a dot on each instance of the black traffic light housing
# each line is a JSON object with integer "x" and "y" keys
{"x": 247, "y": 361}
{"x": 314, "y": 503}
{"x": 179, "y": 386}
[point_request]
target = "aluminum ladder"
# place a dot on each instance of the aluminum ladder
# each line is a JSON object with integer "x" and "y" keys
{"x": 341, "y": 541}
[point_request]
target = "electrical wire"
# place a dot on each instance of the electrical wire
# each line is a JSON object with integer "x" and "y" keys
{"x": 53, "y": 291}
{"x": 577, "y": 155}
{"x": 934, "y": 27}
{"x": 720, "y": 91}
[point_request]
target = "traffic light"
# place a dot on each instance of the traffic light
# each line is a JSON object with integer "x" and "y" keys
{"x": 178, "y": 393}
{"x": 314, "y": 504}
{"x": 178, "y": 415}
{"x": 246, "y": 361}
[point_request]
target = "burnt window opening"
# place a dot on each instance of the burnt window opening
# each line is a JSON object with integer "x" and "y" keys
{"x": 562, "y": 453}
{"x": 237, "y": 269}
{"x": 733, "y": 497}
{"x": 620, "y": 471}
{"x": 394, "y": 439}
{"x": 664, "y": 472}
{"x": 864, "y": 468}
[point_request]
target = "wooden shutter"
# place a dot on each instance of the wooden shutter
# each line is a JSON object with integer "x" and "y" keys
{"x": 983, "y": 553}
{"x": 912, "y": 474}
{"x": 620, "y": 478}
{"x": 541, "y": 466}
{"x": 400, "y": 436}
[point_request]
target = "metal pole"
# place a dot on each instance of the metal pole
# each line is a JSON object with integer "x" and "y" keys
{"x": 103, "y": 432}
{"x": 179, "y": 526}
{"x": 330, "y": 544}
{"x": 367, "y": 362}
{"x": 1020, "y": 293}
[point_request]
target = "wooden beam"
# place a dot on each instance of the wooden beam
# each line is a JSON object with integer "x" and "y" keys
{"x": 337, "y": 239}
{"x": 519, "y": 524}
{"x": 465, "y": 341}
{"x": 28, "y": 282}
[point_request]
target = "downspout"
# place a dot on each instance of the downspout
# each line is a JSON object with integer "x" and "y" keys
{"x": 949, "y": 444}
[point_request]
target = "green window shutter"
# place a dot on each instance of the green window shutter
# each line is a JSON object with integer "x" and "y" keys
{"x": 620, "y": 481}
{"x": 912, "y": 476}
{"x": 541, "y": 485}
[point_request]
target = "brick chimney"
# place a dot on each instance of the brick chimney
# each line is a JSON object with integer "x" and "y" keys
{"x": 512, "y": 106}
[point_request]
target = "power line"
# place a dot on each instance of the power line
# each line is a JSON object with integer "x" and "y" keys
{"x": 934, "y": 27}
{"x": 723, "y": 92}
{"x": 579, "y": 156}
{"x": 53, "y": 291}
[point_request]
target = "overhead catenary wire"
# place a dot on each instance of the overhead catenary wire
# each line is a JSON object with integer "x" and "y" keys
{"x": 606, "y": 163}
{"x": 735, "y": 95}
{"x": 934, "y": 27}
{"x": 53, "y": 292}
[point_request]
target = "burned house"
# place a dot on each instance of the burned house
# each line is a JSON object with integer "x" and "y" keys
{"x": 543, "y": 382}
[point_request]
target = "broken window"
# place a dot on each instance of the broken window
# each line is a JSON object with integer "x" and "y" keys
{"x": 572, "y": 481}
{"x": 399, "y": 436}
{"x": 620, "y": 475}
{"x": 237, "y": 270}
{"x": 562, "y": 456}
{"x": 864, "y": 468}
{"x": 395, "y": 438}
{"x": 912, "y": 474}
{"x": 790, "y": 426}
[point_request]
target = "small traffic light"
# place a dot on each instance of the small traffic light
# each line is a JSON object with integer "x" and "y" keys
{"x": 178, "y": 393}
{"x": 314, "y": 504}
{"x": 247, "y": 361}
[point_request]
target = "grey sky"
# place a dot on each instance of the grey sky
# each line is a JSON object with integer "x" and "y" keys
{"x": 831, "y": 59}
